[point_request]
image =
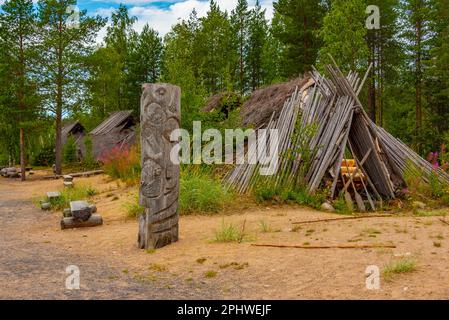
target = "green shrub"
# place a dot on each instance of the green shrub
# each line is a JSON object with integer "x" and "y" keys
{"x": 200, "y": 193}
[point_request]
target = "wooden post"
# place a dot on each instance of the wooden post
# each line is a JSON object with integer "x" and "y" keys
{"x": 159, "y": 192}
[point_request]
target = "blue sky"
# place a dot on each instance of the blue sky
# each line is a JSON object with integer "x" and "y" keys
{"x": 162, "y": 14}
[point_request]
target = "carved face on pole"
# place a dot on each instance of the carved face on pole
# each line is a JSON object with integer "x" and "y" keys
{"x": 160, "y": 117}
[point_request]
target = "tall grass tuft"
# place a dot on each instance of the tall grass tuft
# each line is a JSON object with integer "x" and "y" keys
{"x": 228, "y": 233}
{"x": 133, "y": 208}
{"x": 399, "y": 267}
{"x": 201, "y": 193}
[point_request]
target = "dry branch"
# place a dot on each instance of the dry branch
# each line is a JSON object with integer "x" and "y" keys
{"x": 345, "y": 218}
{"x": 368, "y": 246}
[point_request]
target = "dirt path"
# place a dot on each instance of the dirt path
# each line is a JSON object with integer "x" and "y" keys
{"x": 35, "y": 253}
{"x": 34, "y": 268}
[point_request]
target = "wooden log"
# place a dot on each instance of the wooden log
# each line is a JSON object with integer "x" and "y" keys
{"x": 71, "y": 223}
{"x": 75, "y": 175}
{"x": 159, "y": 191}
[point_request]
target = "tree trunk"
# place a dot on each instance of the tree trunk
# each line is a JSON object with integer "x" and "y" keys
{"x": 58, "y": 145}
{"x": 22, "y": 155}
{"x": 59, "y": 84}
{"x": 418, "y": 84}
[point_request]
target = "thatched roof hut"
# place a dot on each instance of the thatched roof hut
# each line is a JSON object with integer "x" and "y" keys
{"x": 118, "y": 130}
{"x": 257, "y": 110}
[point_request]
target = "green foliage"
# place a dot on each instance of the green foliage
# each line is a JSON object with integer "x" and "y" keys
{"x": 296, "y": 25}
{"x": 200, "y": 193}
{"x": 299, "y": 195}
{"x": 69, "y": 152}
{"x": 344, "y": 33}
{"x": 45, "y": 156}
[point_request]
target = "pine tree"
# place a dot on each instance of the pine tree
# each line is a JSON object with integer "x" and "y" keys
{"x": 436, "y": 86}
{"x": 240, "y": 24}
{"x": 295, "y": 24}
{"x": 144, "y": 63}
{"x": 344, "y": 33}
{"x": 258, "y": 29}
{"x": 385, "y": 54}
{"x": 121, "y": 38}
{"x": 62, "y": 68}
{"x": 214, "y": 44}
{"x": 104, "y": 82}
{"x": 17, "y": 30}
{"x": 417, "y": 36}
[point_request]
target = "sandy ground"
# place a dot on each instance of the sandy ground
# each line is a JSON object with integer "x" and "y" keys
{"x": 35, "y": 253}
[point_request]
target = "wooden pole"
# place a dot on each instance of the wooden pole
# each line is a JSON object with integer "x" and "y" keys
{"x": 159, "y": 192}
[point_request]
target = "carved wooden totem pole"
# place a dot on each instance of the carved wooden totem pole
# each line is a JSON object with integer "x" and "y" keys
{"x": 159, "y": 192}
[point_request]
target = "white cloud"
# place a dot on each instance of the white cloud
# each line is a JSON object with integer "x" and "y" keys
{"x": 163, "y": 19}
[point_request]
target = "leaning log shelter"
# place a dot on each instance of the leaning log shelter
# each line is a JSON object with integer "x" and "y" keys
{"x": 117, "y": 131}
{"x": 344, "y": 153}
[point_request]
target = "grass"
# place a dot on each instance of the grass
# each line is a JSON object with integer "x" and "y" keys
{"x": 133, "y": 208}
{"x": 228, "y": 233}
{"x": 264, "y": 226}
{"x": 399, "y": 267}
{"x": 79, "y": 192}
{"x": 201, "y": 193}
{"x": 265, "y": 193}
{"x": 341, "y": 206}
{"x": 157, "y": 267}
{"x": 210, "y": 274}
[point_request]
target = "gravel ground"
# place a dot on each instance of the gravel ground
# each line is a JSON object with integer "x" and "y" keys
{"x": 37, "y": 270}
